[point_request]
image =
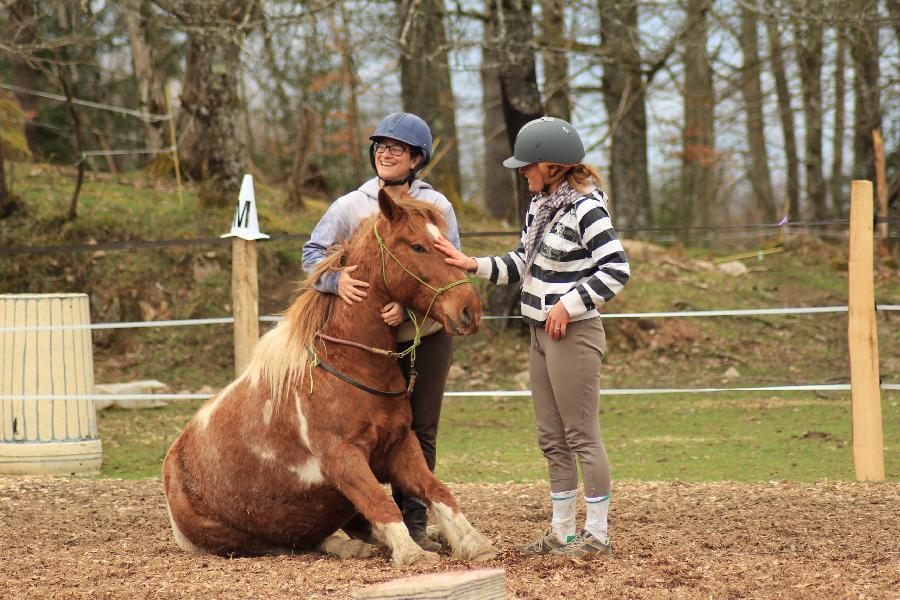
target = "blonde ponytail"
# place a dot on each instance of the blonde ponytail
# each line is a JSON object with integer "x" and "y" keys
{"x": 584, "y": 178}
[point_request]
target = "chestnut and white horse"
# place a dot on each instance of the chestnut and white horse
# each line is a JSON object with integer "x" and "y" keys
{"x": 289, "y": 452}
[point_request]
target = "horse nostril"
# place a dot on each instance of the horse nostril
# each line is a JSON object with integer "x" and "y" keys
{"x": 466, "y": 317}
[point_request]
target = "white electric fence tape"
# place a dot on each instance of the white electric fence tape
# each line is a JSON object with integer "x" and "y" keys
{"x": 646, "y": 315}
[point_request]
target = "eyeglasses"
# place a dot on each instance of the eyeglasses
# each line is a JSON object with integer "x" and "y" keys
{"x": 394, "y": 149}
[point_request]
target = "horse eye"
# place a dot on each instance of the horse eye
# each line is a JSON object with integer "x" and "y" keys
{"x": 418, "y": 248}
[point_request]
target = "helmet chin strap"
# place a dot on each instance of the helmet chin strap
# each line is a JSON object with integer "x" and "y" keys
{"x": 392, "y": 182}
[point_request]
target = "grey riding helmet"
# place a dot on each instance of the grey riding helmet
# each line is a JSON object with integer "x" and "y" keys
{"x": 407, "y": 128}
{"x": 547, "y": 139}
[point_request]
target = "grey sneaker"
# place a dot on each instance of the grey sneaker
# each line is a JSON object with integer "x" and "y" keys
{"x": 545, "y": 544}
{"x": 585, "y": 544}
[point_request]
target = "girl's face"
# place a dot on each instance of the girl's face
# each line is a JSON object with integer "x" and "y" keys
{"x": 534, "y": 176}
{"x": 393, "y": 159}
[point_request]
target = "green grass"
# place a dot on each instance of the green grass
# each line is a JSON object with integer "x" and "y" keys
{"x": 725, "y": 436}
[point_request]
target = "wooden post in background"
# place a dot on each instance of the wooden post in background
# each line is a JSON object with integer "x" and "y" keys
{"x": 881, "y": 181}
{"x": 244, "y": 281}
{"x": 245, "y": 301}
{"x": 865, "y": 395}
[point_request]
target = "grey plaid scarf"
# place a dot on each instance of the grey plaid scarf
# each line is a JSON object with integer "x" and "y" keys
{"x": 547, "y": 207}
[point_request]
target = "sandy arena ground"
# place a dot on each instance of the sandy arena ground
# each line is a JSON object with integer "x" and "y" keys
{"x": 66, "y": 538}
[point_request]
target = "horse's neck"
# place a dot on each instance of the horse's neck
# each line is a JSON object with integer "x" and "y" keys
{"x": 361, "y": 322}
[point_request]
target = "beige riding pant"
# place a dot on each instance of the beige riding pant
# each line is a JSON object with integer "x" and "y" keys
{"x": 565, "y": 383}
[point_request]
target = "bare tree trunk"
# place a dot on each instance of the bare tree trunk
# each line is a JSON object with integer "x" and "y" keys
{"x": 863, "y": 32}
{"x": 24, "y": 75}
{"x": 212, "y": 150}
{"x": 809, "y": 56}
{"x": 698, "y": 142}
{"x": 786, "y": 113}
{"x": 348, "y": 80}
{"x": 308, "y": 134}
{"x": 425, "y": 86}
{"x": 138, "y": 17}
{"x": 8, "y": 203}
{"x": 839, "y": 201}
{"x": 625, "y": 101}
{"x": 511, "y": 21}
{"x": 760, "y": 178}
{"x": 498, "y": 186}
{"x": 66, "y": 87}
{"x": 556, "y": 64}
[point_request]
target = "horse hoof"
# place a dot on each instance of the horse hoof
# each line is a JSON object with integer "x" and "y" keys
{"x": 340, "y": 547}
{"x": 421, "y": 557}
{"x": 482, "y": 553}
{"x": 357, "y": 549}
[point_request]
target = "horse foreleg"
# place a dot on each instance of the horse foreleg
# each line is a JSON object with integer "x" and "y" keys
{"x": 408, "y": 470}
{"x": 347, "y": 469}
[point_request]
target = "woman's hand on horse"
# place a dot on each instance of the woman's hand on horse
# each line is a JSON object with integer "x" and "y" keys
{"x": 351, "y": 290}
{"x": 455, "y": 257}
{"x": 392, "y": 313}
{"x": 557, "y": 320}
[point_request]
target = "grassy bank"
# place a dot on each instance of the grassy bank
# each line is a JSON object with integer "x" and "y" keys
{"x": 725, "y": 436}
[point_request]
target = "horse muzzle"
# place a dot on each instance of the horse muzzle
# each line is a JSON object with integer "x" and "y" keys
{"x": 464, "y": 322}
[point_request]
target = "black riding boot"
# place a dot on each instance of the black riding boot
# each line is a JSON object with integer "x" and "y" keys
{"x": 415, "y": 516}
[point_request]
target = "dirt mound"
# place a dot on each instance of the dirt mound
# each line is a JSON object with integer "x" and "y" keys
{"x": 108, "y": 538}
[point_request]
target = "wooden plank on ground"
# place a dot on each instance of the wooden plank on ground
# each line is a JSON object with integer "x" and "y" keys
{"x": 481, "y": 584}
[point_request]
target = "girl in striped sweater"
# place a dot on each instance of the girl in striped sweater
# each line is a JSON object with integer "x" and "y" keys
{"x": 570, "y": 263}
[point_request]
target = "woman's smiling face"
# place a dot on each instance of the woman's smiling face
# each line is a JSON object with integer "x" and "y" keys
{"x": 394, "y": 159}
{"x": 534, "y": 176}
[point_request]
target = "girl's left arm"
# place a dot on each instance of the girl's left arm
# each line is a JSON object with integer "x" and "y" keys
{"x": 612, "y": 271}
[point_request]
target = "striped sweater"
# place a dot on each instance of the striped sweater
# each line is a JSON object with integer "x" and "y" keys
{"x": 580, "y": 262}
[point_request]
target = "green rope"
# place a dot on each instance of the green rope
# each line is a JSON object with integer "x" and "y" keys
{"x": 417, "y": 338}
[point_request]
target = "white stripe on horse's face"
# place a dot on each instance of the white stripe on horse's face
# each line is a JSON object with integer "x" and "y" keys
{"x": 434, "y": 231}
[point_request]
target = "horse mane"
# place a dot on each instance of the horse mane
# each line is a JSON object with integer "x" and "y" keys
{"x": 282, "y": 354}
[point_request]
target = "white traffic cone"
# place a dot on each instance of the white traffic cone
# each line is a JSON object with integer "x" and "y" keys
{"x": 246, "y": 224}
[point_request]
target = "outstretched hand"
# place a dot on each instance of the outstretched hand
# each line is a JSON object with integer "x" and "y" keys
{"x": 454, "y": 256}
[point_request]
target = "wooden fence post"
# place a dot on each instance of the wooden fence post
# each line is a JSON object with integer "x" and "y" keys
{"x": 245, "y": 301}
{"x": 244, "y": 282}
{"x": 868, "y": 443}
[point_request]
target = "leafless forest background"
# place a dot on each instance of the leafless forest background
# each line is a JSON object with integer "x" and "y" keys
{"x": 698, "y": 112}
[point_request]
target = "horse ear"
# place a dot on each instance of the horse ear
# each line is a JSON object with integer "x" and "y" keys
{"x": 388, "y": 207}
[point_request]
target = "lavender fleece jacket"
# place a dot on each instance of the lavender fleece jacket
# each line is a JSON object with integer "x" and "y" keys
{"x": 347, "y": 212}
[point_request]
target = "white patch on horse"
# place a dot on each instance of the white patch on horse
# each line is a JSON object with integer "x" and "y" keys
{"x": 263, "y": 452}
{"x": 404, "y": 551}
{"x": 309, "y": 472}
{"x": 206, "y": 411}
{"x": 267, "y": 411}
{"x": 434, "y": 231}
{"x": 467, "y": 542}
{"x": 304, "y": 425}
